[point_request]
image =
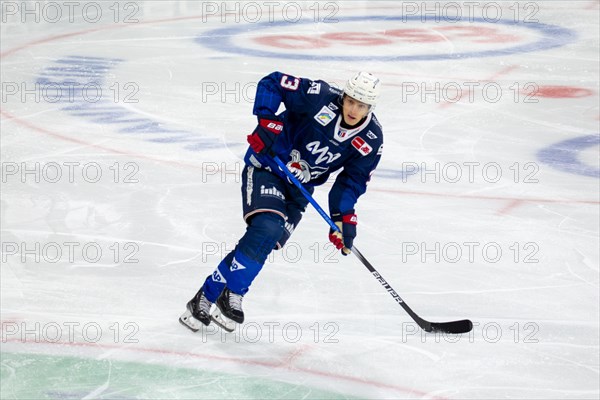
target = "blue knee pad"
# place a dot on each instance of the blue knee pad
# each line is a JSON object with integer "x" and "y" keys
{"x": 241, "y": 266}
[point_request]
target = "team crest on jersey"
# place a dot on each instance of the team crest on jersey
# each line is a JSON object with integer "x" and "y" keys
{"x": 315, "y": 88}
{"x": 322, "y": 153}
{"x": 363, "y": 147}
{"x": 325, "y": 116}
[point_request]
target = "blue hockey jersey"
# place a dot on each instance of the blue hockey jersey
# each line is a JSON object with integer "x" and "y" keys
{"x": 312, "y": 132}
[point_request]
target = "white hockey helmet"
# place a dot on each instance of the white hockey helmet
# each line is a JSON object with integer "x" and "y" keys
{"x": 364, "y": 87}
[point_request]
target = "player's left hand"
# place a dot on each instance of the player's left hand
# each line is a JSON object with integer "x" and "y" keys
{"x": 344, "y": 239}
{"x": 266, "y": 133}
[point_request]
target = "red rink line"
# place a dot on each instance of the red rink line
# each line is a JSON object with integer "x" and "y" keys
{"x": 285, "y": 365}
{"x": 512, "y": 202}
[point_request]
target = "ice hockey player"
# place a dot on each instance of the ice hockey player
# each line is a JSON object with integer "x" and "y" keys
{"x": 322, "y": 130}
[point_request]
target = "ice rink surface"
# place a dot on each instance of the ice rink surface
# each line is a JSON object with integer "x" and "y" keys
{"x": 123, "y": 125}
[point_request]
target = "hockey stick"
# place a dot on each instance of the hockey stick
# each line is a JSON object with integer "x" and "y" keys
{"x": 454, "y": 327}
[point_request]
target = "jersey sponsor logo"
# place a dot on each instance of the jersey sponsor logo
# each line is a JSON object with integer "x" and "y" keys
{"x": 325, "y": 116}
{"x": 380, "y": 151}
{"x": 332, "y": 106}
{"x": 315, "y": 88}
{"x": 323, "y": 152}
{"x": 363, "y": 147}
{"x": 371, "y": 135}
{"x": 271, "y": 192}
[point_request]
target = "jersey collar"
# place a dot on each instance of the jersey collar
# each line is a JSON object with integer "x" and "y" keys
{"x": 342, "y": 134}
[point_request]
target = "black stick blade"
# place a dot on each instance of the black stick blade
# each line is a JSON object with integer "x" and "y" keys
{"x": 455, "y": 327}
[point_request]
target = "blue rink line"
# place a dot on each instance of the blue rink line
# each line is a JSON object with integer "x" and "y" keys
{"x": 222, "y": 40}
{"x": 65, "y": 80}
{"x": 565, "y": 155}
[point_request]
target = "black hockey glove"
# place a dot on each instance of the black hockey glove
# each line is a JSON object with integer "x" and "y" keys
{"x": 347, "y": 225}
{"x": 266, "y": 133}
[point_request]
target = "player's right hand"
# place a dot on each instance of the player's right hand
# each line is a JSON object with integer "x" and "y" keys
{"x": 344, "y": 238}
{"x": 266, "y": 133}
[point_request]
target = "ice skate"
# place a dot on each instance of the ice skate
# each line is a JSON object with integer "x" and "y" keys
{"x": 228, "y": 311}
{"x": 197, "y": 312}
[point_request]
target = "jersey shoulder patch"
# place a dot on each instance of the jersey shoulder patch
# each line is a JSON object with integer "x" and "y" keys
{"x": 369, "y": 139}
{"x": 315, "y": 88}
{"x": 362, "y": 146}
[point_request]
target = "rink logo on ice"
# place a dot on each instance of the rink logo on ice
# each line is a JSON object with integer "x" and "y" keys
{"x": 567, "y": 155}
{"x": 397, "y": 38}
{"x": 79, "y": 85}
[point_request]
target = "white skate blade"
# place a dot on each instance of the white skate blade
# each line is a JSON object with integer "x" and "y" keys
{"x": 188, "y": 320}
{"x": 221, "y": 320}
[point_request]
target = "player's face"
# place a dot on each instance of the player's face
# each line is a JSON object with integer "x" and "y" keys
{"x": 353, "y": 110}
